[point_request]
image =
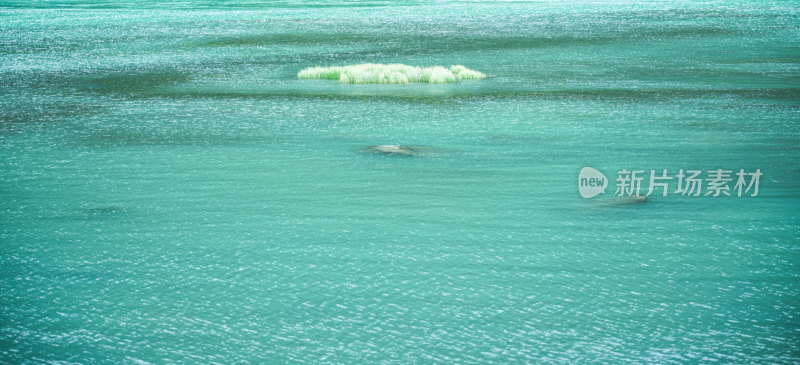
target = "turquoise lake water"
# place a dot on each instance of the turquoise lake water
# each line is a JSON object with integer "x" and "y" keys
{"x": 171, "y": 192}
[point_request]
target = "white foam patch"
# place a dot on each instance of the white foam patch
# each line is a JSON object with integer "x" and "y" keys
{"x": 372, "y": 73}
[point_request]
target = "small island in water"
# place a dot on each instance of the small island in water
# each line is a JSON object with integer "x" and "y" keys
{"x": 372, "y": 73}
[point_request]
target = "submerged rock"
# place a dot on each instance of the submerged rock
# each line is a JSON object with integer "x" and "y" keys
{"x": 628, "y": 200}
{"x": 103, "y": 210}
{"x": 397, "y": 150}
{"x": 392, "y": 149}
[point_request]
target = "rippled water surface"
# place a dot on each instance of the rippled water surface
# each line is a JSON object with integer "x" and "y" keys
{"x": 171, "y": 192}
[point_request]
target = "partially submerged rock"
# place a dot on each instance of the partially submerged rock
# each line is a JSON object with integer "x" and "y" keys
{"x": 628, "y": 200}
{"x": 372, "y": 73}
{"x": 392, "y": 149}
{"x": 397, "y": 150}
